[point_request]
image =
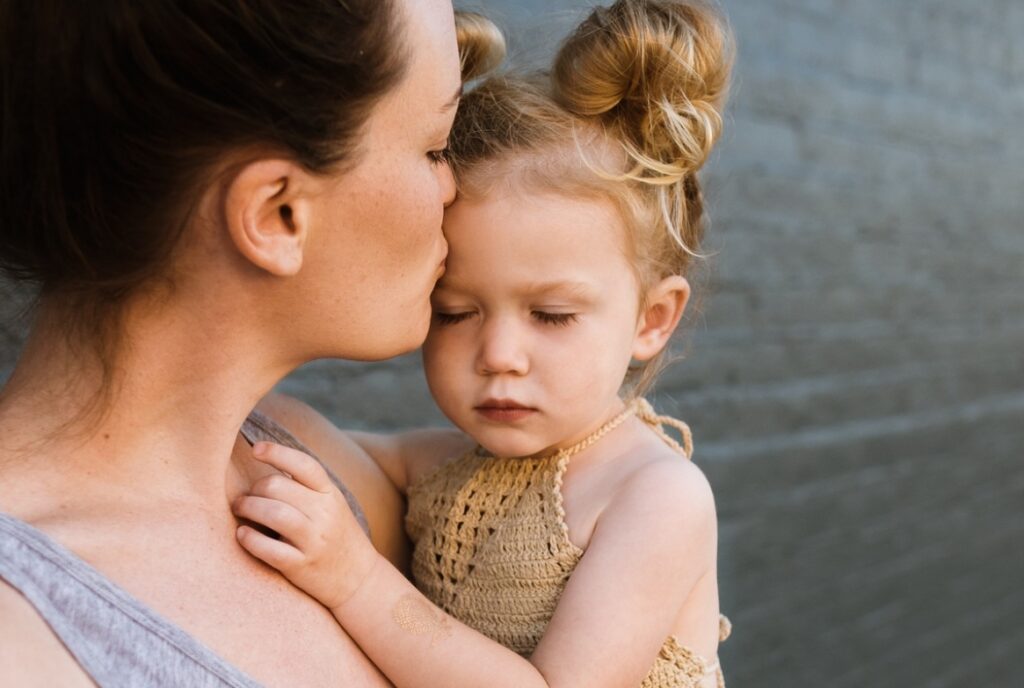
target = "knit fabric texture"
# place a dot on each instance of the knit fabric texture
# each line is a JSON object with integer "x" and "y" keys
{"x": 492, "y": 548}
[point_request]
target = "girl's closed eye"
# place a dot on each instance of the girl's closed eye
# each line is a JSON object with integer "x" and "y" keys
{"x": 558, "y": 319}
{"x": 451, "y": 318}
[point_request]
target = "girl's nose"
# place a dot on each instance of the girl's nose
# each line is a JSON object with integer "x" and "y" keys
{"x": 501, "y": 351}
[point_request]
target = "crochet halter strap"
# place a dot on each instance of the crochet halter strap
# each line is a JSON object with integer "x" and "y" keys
{"x": 645, "y": 412}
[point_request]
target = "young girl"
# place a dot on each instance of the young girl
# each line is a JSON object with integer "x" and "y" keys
{"x": 564, "y": 524}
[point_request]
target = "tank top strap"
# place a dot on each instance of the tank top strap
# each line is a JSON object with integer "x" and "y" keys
{"x": 259, "y": 427}
{"x": 657, "y": 422}
{"x": 118, "y": 642}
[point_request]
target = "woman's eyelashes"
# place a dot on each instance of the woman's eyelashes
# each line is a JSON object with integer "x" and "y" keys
{"x": 439, "y": 156}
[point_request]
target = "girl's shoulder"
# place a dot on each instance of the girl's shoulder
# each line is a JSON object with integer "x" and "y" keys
{"x": 663, "y": 512}
{"x": 662, "y": 472}
{"x": 646, "y": 488}
{"x": 428, "y": 450}
{"x": 673, "y": 487}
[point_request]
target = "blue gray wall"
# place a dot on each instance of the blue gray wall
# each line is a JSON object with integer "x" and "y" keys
{"x": 855, "y": 379}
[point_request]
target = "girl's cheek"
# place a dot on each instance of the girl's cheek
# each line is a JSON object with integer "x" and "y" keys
{"x": 439, "y": 349}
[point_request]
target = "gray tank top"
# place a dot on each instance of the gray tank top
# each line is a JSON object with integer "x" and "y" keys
{"x": 118, "y": 641}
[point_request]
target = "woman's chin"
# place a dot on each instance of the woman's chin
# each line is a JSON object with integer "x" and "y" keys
{"x": 383, "y": 346}
{"x": 406, "y": 340}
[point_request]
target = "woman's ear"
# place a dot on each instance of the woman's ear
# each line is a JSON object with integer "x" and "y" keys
{"x": 267, "y": 214}
{"x": 666, "y": 302}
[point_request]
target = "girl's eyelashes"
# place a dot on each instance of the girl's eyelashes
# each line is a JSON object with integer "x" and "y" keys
{"x": 450, "y": 318}
{"x": 544, "y": 317}
{"x": 559, "y": 319}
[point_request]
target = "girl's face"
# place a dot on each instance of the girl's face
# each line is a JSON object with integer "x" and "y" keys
{"x": 534, "y": 321}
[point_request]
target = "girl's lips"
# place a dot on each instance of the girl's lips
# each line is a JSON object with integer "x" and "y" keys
{"x": 504, "y": 410}
{"x": 504, "y": 415}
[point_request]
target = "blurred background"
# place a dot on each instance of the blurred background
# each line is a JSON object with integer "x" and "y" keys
{"x": 855, "y": 375}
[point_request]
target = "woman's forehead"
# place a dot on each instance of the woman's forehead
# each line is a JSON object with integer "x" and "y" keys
{"x": 422, "y": 105}
{"x": 429, "y": 39}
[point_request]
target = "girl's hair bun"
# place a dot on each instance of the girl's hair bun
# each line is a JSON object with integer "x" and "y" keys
{"x": 481, "y": 44}
{"x": 656, "y": 74}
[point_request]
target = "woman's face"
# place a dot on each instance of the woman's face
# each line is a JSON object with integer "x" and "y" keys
{"x": 376, "y": 249}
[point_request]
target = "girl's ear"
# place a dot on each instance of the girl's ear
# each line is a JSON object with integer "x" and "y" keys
{"x": 666, "y": 302}
{"x": 267, "y": 211}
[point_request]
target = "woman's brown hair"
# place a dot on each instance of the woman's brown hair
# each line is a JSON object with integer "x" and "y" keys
{"x": 114, "y": 113}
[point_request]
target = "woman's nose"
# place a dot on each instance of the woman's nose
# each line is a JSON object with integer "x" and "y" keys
{"x": 447, "y": 184}
{"x": 501, "y": 351}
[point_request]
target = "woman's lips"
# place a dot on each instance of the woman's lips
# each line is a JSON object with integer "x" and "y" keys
{"x": 504, "y": 410}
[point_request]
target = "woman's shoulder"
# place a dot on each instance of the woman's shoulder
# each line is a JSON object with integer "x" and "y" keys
{"x": 299, "y": 418}
{"x": 403, "y": 456}
{"x": 334, "y": 447}
{"x": 29, "y": 650}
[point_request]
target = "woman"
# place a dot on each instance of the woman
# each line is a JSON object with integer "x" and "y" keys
{"x": 209, "y": 193}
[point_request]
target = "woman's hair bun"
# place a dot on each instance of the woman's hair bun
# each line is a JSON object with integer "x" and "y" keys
{"x": 481, "y": 44}
{"x": 656, "y": 74}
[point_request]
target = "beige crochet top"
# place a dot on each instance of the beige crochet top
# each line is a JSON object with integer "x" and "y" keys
{"x": 492, "y": 548}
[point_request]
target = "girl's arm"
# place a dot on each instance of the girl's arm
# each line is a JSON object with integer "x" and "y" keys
{"x": 401, "y": 456}
{"x": 376, "y": 468}
{"x": 381, "y": 501}
{"x": 616, "y": 611}
{"x": 405, "y": 456}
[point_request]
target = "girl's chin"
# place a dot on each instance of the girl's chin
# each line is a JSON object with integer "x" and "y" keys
{"x": 513, "y": 449}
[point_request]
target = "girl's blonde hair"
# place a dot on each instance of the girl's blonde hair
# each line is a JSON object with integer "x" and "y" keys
{"x": 629, "y": 112}
{"x": 481, "y": 44}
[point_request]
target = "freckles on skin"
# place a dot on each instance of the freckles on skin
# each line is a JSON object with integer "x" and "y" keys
{"x": 417, "y": 616}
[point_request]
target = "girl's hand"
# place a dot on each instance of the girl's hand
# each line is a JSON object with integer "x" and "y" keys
{"x": 322, "y": 549}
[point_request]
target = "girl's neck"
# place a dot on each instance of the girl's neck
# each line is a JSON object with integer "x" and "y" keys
{"x": 181, "y": 386}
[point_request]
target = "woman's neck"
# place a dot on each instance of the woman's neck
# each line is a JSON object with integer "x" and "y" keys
{"x": 181, "y": 385}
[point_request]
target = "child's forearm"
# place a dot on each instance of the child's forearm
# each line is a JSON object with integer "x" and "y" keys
{"x": 417, "y": 645}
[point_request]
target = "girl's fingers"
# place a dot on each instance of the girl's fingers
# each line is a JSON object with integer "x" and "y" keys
{"x": 280, "y": 555}
{"x": 280, "y": 517}
{"x": 284, "y": 489}
{"x": 302, "y": 467}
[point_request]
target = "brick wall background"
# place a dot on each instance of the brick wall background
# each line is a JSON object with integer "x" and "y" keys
{"x": 855, "y": 381}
